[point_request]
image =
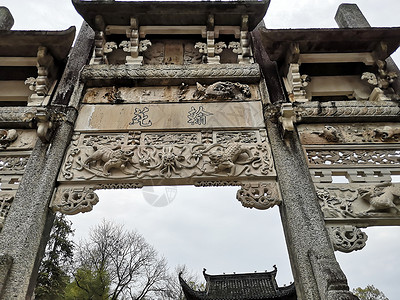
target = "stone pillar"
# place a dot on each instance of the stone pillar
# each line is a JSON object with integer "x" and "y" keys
{"x": 350, "y": 16}
{"x": 26, "y": 230}
{"x": 6, "y": 19}
{"x": 316, "y": 272}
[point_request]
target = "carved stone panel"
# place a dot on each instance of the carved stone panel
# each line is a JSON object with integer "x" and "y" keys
{"x": 170, "y": 117}
{"x": 13, "y": 162}
{"x": 177, "y": 93}
{"x": 152, "y": 159}
{"x": 360, "y": 204}
{"x": 359, "y": 133}
{"x": 259, "y": 195}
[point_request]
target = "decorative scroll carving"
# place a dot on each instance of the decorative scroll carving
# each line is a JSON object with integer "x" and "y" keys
{"x": 7, "y": 137}
{"x": 222, "y": 91}
{"x": 119, "y": 186}
{"x": 73, "y": 200}
{"x": 357, "y": 133}
{"x": 356, "y": 157}
{"x": 111, "y": 157}
{"x": 246, "y": 137}
{"x": 5, "y": 203}
{"x": 166, "y": 74}
{"x": 170, "y": 138}
{"x": 347, "y": 238}
{"x": 260, "y": 196}
{"x": 345, "y": 109}
{"x": 15, "y": 163}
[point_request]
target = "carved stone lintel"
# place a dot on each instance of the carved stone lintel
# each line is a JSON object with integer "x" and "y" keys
{"x": 171, "y": 74}
{"x": 347, "y": 238}
{"x": 339, "y": 110}
{"x": 73, "y": 200}
{"x": 260, "y": 196}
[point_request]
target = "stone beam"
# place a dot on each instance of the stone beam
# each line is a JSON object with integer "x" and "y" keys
{"x": 350, "y": 16}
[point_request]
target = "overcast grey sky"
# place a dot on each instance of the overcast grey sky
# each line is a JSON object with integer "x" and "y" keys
{"x": 207, "y": 227}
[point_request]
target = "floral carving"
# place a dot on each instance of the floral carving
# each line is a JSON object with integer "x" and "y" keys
{"x": 13, "y": 164}
{"x": 170, "y": 138}
{"x": 71, "y": 201}
{"x": 260, "y": 196}
{"x": 347, "y": 238}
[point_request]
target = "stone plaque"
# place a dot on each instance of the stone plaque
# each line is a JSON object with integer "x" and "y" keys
{"x": 170, "y": 116}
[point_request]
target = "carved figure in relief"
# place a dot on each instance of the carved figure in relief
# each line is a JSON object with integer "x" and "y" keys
{"x": 222, "y": 90}
{"x": 112, "y": 157}
{"x": 7, "y": 137}
{"x": 330, "y": 133}
{"x": 381, "y": 198}
{"x": 387, "y": 133}
{"x": 170, "y": 161}
{"x": 225, "y": 159}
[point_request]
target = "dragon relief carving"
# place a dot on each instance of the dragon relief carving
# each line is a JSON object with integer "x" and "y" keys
{"x": 73, "y": 200}
{"x": 222, "y": 90}
{"x": 330, "y": 133}
{"x": 102, "y": 157}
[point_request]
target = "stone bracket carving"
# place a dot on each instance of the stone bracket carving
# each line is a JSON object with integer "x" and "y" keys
{"x": 287, "y": 117}
{"x": 347, "y": 238}
{"x": 46, "y": 120}
{"x": 72, "y": 200}
{"x": 295, "y": 84}
{"x": 260, "y": 195}
{"x": 46, "y": 72}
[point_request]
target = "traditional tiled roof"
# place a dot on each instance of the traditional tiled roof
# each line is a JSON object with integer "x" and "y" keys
{"x": 247, "y": 286}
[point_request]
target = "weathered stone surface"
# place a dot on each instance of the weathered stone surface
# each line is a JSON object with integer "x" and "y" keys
{"x": 170, "y": 116}
{"x": 6, "y": 19}
{"x": 100, "y": 75}
{"x": 155, "y": 94}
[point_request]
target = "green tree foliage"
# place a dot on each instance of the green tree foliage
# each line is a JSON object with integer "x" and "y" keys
{"x": 369, "y": 293}
{"x": 53, "y": 271}
{"x": 88, "y": 285}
